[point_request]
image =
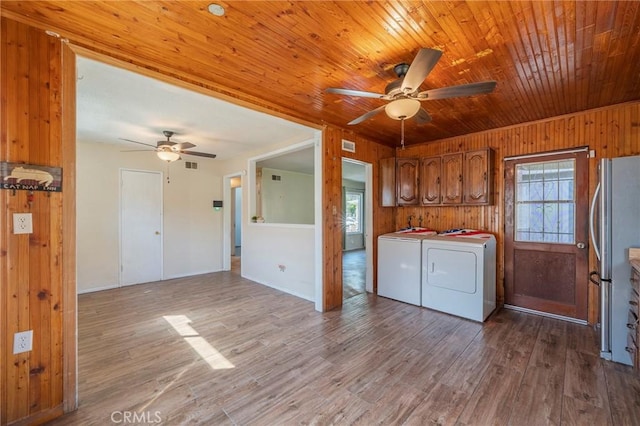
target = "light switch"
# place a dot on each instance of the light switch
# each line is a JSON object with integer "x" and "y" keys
{"x": 22, "y": 223}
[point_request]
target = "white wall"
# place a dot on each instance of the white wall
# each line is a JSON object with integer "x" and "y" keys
{"x": 266, "y": 246}
{"x": 192, "y": 240}
{"x": 288, "y": 200}
{"x": 280, "y": 256}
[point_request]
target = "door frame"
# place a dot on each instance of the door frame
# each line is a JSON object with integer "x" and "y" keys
{"x": 120, "y": 218}
{"x": 226, "y": 215}
{"x": 581, "y": 204}
{"x": 368, "y": 220}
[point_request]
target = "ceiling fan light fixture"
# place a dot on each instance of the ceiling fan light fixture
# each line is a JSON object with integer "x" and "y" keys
{"x": 168, "y": 156}
{"x": 403, "y": 108}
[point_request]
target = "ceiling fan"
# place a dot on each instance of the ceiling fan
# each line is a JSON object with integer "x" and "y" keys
{"x": 404, "y": 92}
{"x": 170, "y": 151}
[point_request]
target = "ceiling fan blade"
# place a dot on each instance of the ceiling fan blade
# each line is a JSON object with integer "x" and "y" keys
{"x": 140, "y": 143}
{"x": 366, "y": 116}
{"x": 199, "y": 154}
{"x": 460, "y": 90}
{"x": 419, "y": 69}
{"x": 183, "y": 145}
{"x": 422, "y": 117}
{"x": 356, "y": 93}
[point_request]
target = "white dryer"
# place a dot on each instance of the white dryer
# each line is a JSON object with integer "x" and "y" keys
{"x": 399, "y": 264}
{"x": 459, "y": 273}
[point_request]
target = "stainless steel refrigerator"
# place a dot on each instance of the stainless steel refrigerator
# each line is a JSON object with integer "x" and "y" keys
{"x": 614, "y": 227}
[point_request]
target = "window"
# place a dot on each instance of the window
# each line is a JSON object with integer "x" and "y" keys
{"x": 353, "y": 211}
{"x": 545, "y": 202}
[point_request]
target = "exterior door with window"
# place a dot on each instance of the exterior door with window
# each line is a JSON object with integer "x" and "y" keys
{"x": 546, "y": 231}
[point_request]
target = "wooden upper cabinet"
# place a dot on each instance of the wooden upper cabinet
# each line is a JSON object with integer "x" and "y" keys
{"x": 452, "y": 178}
{"x": 388, "y": 182}
{"x": 430, "y": 171}
{"x": 478, "y": 176}
{"x": 407, "y": 181}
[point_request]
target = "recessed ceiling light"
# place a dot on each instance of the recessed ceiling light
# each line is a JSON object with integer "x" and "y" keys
{"x": 216, "y": 9}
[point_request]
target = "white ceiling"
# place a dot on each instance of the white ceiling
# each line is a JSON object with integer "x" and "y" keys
{"x": 114, "y": 103}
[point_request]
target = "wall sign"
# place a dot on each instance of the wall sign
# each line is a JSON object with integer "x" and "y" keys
{"x": 30, "y": 177}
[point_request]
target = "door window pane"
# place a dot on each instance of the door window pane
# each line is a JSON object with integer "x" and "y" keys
{"x": 545, "y": 202}
{"x": 353, "y": 213}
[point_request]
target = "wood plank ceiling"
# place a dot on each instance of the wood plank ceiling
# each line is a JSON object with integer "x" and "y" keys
{"x": 549, "y": 58}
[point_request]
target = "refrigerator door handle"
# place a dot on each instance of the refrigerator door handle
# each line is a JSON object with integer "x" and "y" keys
{"x": 592, "y": 212}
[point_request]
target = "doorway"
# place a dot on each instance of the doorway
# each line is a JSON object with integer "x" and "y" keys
{"x": 546, "y": 225}
{"x": 236, "y": 224}
{"x": 141, "y": 226}
{"x": 233, "y": 202}
{"x": 356, "y": 228}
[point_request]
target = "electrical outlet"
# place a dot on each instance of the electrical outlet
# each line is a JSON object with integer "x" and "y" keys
{"x": 22, "y": 342}
{"x": 22, "y": 223}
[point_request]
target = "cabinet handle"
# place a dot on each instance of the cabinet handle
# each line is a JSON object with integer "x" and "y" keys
{"x": 459, "y": 178}
{"x": 484, "y": 176}
{"x": 438, "y": 180}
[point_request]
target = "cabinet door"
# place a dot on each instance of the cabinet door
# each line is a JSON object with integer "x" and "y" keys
{"x": 407, "y": 181}
{"x": 388, "y": 182}
{"x": 452, "y": 178}
{"x": 478, "y": 176}
{"x": 430, "y": 180}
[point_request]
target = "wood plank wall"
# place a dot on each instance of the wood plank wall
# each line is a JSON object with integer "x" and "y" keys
{"x": 383, "y": 218}
{"x": 612, "y": 132}
{"x": 32, "y": 274}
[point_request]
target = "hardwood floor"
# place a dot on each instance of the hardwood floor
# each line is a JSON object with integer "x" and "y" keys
{"x": 354, "y": 267}
{"x": 218, "y": 349}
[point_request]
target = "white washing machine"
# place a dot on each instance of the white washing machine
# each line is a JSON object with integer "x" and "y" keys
{"x": 399, "y": 265}
{"x": 459, "y": 273}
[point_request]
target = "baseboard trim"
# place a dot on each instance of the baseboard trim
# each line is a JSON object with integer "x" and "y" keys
{"x": 282, "y": 289}
{"x": 40, "y": 417}
{"x": 94, "y": 289}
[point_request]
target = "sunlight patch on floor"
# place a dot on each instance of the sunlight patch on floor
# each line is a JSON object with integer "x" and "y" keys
{"x": 181, "y": 323}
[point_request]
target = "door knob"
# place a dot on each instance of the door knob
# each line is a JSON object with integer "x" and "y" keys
{"x": 157, "y": 232}
{"x": 581, "y": 245}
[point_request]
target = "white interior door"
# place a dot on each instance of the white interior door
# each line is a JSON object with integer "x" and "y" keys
{"x": 141, "y": 227}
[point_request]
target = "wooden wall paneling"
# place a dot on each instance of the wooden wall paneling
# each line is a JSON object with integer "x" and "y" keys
{"x": 40, "y": 247}
{"x": 331, "y": 201}
{"x": 31, "y": 263}
{"x": 5, "y": 229}
{"x": 612, "y": 131}
{"x": 64, "y": 355}
{"x": 4, "y": 222}
{"x": 383, "y": 217}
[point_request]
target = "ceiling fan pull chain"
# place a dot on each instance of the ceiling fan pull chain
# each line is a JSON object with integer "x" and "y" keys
{"x": 168, "y": 174}
{"x": 402, "y": 132}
